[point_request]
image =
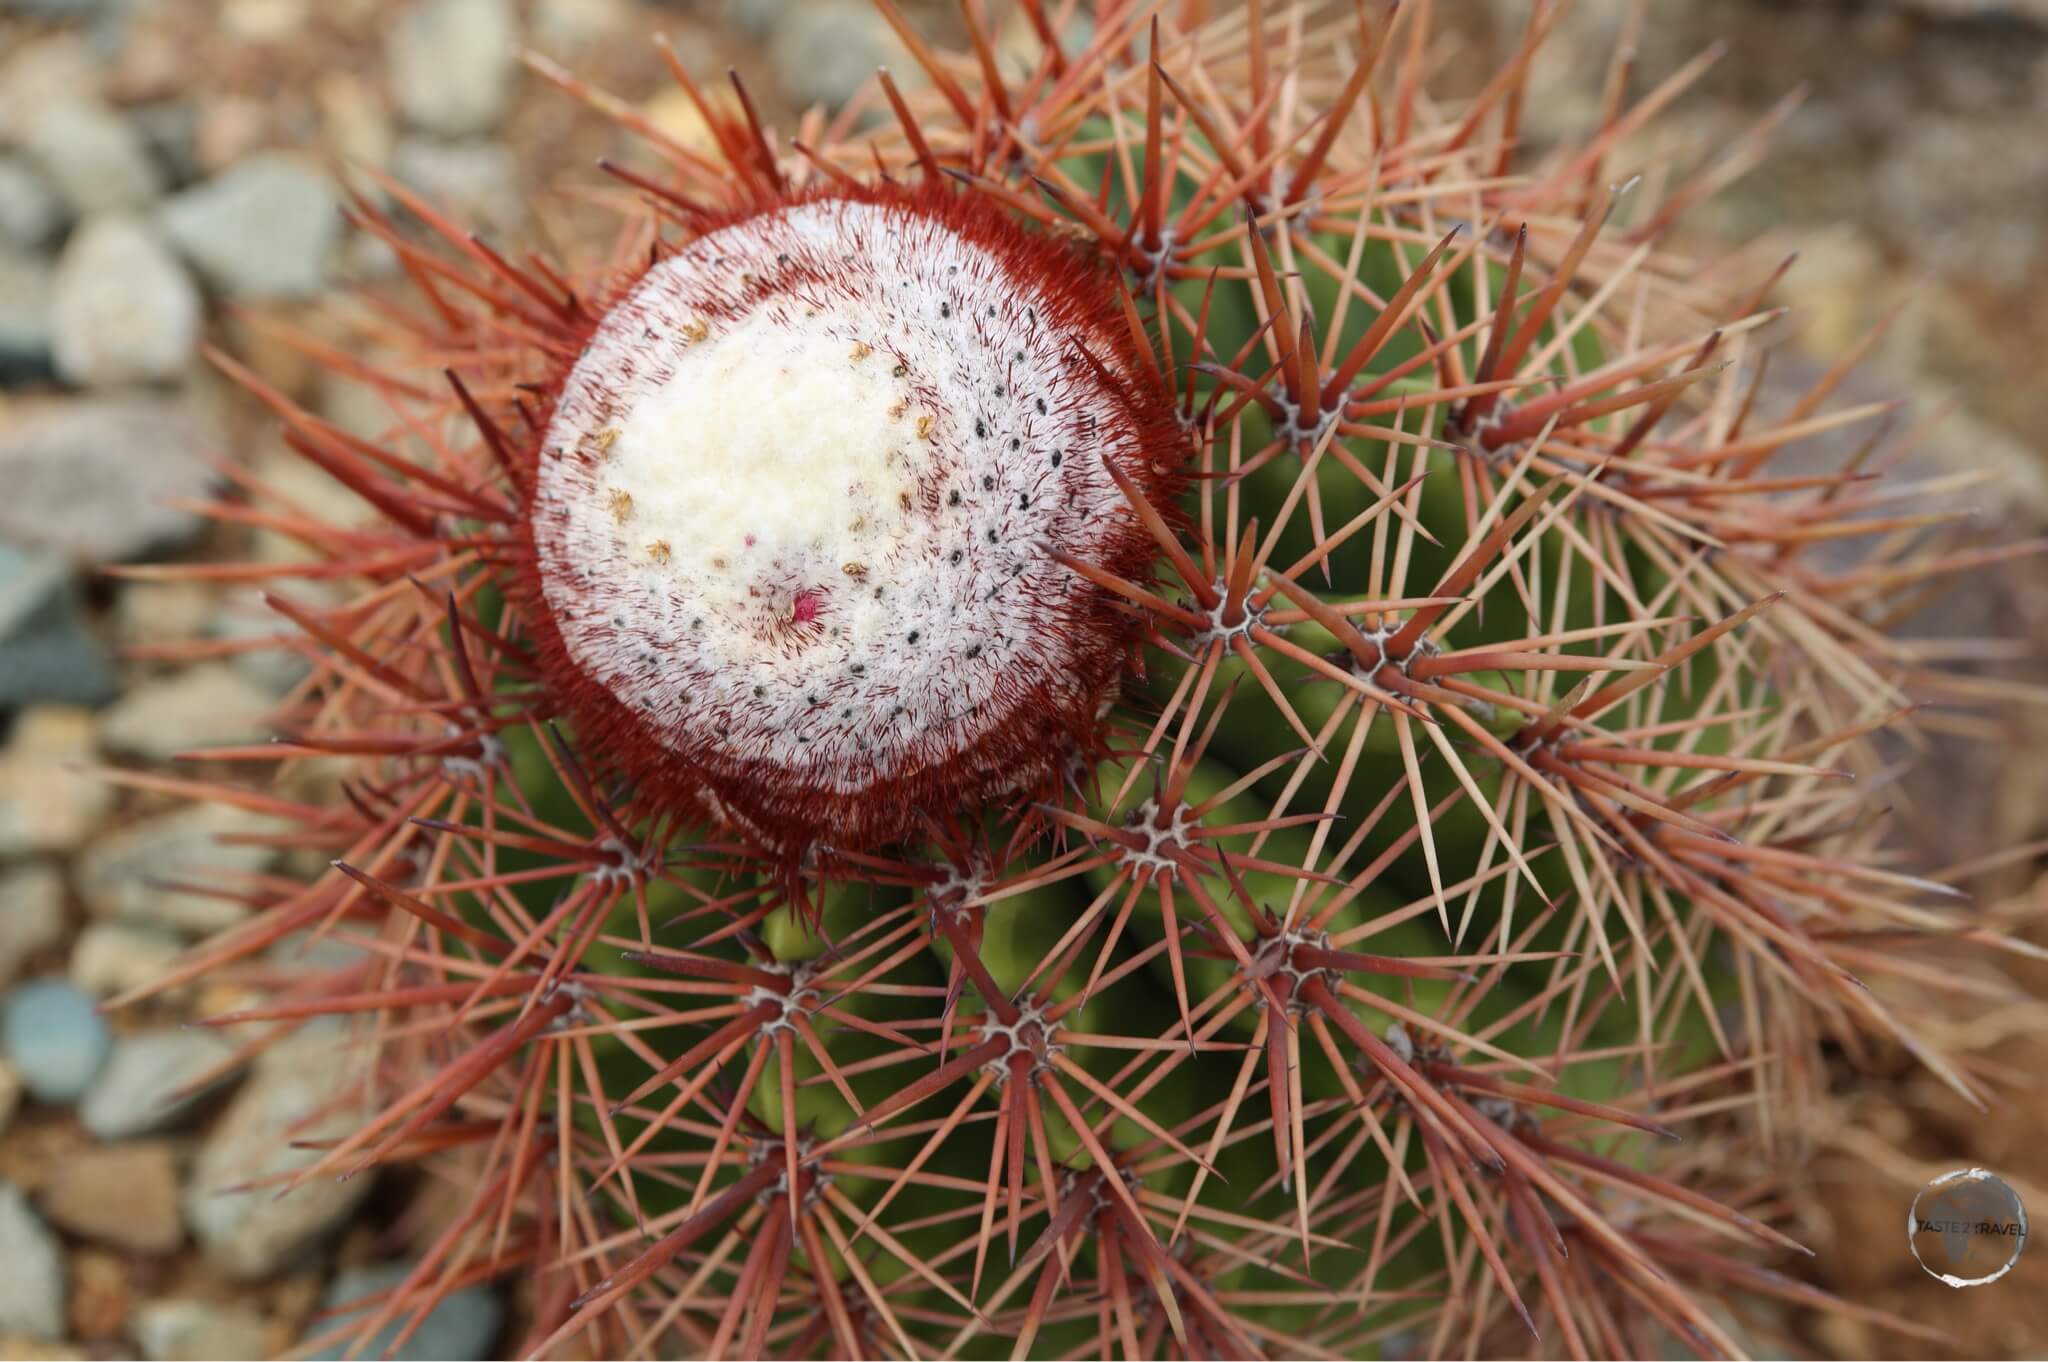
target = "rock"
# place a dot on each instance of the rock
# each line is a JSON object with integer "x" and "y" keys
{"x": 170, "y": 127}
{"x": 25, "y": 292}
{"x": 122, "y": 310}
{"x": 31, "y": 915}
{"x": 102, "y": 1294}
{"x": 36, "y": 73}
{"x": 757, "y": 19}
{"x": 92, "y": 479}
{"x": 120, "y": 875}
{"x": 54, "y": 1039}
{"x": 476, "y": 183}
{"x": 355, "y": 120}
{"x": 263, "y": 21}
{"x": 46, "y": 804}
{"x": 32, "y": 1287}
{"x": 30, "y": 211}
{"x": 72, "y": 10}
{"x": 125, "y": 1195}
{"x": 250, "y": 1234}
{"x": 194, "y": 1330}
{"x": 138, "y": 1092}
{"x": 210, "y": 705}
{"x": 452, "y": 64}
{"x": 245, "y": 615}
{"x": 824, "y": 50}
{"x": 163, "y": 612}
{"x": 47, "y": 651}
{"x": 10, "y": 1093}
{"x": 566, "y": 27}
{"x": 1968, "y": 195}
{"x": 22, "y": 1348}
{"x": 461, "y": 1327}
{"x": 96, "y": 159}
{"x": 264, "y": 228}
{"x": 112, "y": 957}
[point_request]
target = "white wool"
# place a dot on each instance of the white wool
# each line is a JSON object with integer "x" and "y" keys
{"x": 810, "y": 528}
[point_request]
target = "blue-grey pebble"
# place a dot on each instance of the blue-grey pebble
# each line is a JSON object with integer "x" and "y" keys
{"x": 141, "y": 1088}
{"x": 460, "y": 1329}
{"x": 54, "y": 1038}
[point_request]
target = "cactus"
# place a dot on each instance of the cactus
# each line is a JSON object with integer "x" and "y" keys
{"x": 1151, "y": 698}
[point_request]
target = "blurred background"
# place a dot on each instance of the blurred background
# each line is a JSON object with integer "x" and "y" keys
{"x": 171, "y": 175}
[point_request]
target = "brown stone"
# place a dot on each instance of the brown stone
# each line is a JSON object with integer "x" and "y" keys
{"x": 125, "y": 1195}
{"x": 101, "y": 1296}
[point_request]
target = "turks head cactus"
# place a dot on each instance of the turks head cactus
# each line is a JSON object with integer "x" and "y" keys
{"x": 1148, "y": 696}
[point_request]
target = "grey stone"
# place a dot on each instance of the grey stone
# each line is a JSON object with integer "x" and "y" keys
{"x": 32, "y": 1286}
{"x": 138, "y": 1092}
{"x": 25, "y": 289}
{"x": 31, "y": 915}
{"x": 54, "y": 1038}
{"x": 250, "y": 1234}
{"x": 210, "y": 705}
{"x": 30, "y": 211}
{"x": 452, "y": 64}
{"x": 114, "y": 957}
{"x": 47, "y": 652}
{"x": 461, "y": 1327}
{"x": 56, "y": 9}
{"x": 37, "y": 73}
{"x": 47, "y": 804}
{"x": 246, "y": 615}
{"x": 171, "y": 129}
{"x": 757, "y": 19}
{"x": 196, "y": 1330}
{"x": 121, "y": 876}
{"x": 476, "y": 183}
{"x": 824, "y": 50}
{"x": 91, "y": 479}
{"x": 123, "y": 310}
{"x": 264, "y": 228}
{"x": 96, "y": 159}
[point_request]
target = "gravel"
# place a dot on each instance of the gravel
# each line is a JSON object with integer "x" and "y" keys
{"x": 461, "y": 1327}
{"x": 54, "y": 1039}
{"x": 205, "y": 706}
{"x": 120, "y": 875}
{"x": 266, "y": 228}
{"x": 476, "y": 183}
{"x": 253, "y": 1234}
{"x": 91, "y": 479}
{"x": 32, "y": 1286}
{"x": 122, "y": 310}
{"x": 138, "y": 1091}
{"x": 123, "y": 1195}
{"x": 30, "y": 211}
{"x": 47, "y": 651}
{"x": 195, "y": 1330}
{"x": 25, "y": 291}
{"x": 46, "y": 803}
{"x": 31, "y": 915}
{"x": 824, "y": 50}
{"x": 113, "y": 957}
{"x": 10, "y": 1093}
{"x": 453, "y": 64}
{"x": 95, "y": 159}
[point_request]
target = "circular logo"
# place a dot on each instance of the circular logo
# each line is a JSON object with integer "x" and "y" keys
{"x": 1967, "y": 1227}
